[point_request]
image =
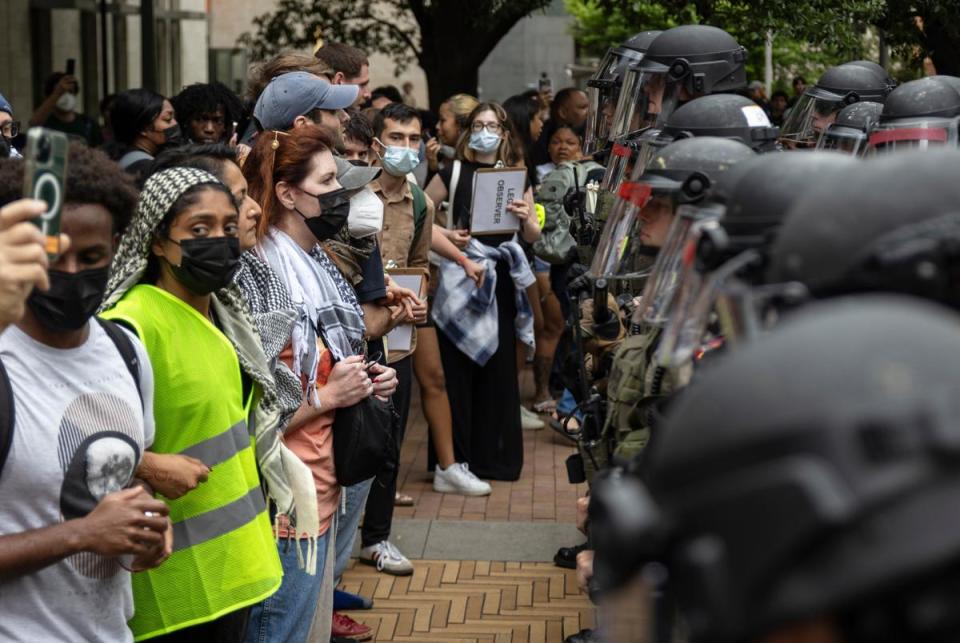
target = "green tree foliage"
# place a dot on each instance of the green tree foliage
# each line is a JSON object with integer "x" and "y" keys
{"x": 808, "y": 37}
{"x": 809, "y": 34}
{"x": 449, "y": 39}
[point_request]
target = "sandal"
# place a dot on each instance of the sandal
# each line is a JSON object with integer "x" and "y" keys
{"x": 568, "y": 426}
{"x": 402, "y": 500}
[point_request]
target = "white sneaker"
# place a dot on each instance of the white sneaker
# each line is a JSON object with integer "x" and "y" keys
{"x": 386, "y": 558}
{"x": 529, "y": 420}
{"x": 458, "y": 478}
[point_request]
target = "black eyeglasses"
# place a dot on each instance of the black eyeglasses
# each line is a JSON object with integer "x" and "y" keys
{"x": 10, "y": 129}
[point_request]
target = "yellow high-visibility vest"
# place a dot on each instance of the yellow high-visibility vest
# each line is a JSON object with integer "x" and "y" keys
{"x": 224, "y": 554}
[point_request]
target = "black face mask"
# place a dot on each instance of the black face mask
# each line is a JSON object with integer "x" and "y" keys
{"x": 72, "y": 300}
{"x": 172, "y": 137}
{"x": 334, "y": 210}
{"x": 207, "y": 264}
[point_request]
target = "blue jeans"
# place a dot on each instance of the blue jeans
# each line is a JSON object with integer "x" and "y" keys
{"x": 348, "y": 524}
{"x": 288, "y": 614}
{"x": 566, "y": 404}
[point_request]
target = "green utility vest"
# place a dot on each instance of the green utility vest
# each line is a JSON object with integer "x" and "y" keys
{"x": 224, "y": 553}
{"x": 635, "y": 383}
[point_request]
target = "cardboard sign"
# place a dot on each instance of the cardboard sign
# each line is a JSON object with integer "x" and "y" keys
{"x": 400, "y": 339}
{"x": 493, "y": 190}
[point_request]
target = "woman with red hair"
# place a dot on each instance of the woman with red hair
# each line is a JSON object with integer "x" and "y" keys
{"x": 293, "y": 176}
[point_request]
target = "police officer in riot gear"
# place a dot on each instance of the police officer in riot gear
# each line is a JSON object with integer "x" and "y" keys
{"x": 724, "y": 115}
{"x": 818, "y": 107}
{"x": 850, "y": 132}
{"x": 889, "y": 224}
{"x": 731, "y": 256}
{"x": 680, "y": 175}
{"x": 804, "y": 488}
{"x": 921, "y": 114}
{"x": 604, "y": 88}
{"x": 681, "y": 64}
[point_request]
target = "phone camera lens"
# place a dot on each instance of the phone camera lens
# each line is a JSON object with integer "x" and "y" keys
{"x": 43, "y": 150}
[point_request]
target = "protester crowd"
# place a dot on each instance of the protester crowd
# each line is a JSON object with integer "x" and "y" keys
{"x": 205, "y": 381}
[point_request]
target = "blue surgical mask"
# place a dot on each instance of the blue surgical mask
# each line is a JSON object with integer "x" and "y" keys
{"x": 484, "y": 141}
{"x": 399, "y": 161}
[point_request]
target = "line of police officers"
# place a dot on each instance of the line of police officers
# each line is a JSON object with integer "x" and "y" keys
{"x": 774, "y": 446}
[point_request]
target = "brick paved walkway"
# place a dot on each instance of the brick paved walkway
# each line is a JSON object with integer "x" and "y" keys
{"x": 480, "y": 601}
{"x": 541, "y": 494}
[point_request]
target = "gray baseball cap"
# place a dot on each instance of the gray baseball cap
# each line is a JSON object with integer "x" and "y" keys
{"x": 354, "y": 177}
{"x": 296, "y": 94}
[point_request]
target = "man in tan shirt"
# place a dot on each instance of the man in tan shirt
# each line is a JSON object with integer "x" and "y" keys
{"x": 404, "y": 243}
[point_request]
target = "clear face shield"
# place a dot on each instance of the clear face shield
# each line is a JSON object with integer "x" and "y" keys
{"x": 621, "y": 253}
{"x": 617, "y": 168}
{"x": 648, "y": 98}
{"x": 810, "y": 117}
{"x": 921, "y": 133}
{"x": 603, "y": 92}
{"x": 687, "y": 330}
{"x": 847, "y": 140}
{"x": 674, "y": 265}
{"x": 650, "y": 145}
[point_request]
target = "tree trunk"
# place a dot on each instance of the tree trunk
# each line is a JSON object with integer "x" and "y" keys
{"x": 448, "y": 78}
{"x": 944, "y": 50}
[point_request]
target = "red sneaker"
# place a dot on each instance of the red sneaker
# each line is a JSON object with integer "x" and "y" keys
{"x": 346, "y": 627}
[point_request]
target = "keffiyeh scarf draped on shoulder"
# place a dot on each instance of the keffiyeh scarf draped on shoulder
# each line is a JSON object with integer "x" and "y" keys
{"x": 325, "y": 303}
{"x": 283, "y": 473}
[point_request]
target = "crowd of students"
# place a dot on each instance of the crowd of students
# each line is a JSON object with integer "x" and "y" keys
{"x": 172, "y": 379}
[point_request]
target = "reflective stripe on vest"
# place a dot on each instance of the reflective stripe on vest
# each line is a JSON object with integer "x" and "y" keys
{"x": 225, "y": 557}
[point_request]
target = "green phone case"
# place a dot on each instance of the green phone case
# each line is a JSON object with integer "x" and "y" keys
{"x": 44, "y": 173}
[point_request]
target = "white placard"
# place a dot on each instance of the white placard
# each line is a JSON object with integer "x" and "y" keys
{"x": 493, "y": 190}
{"x": 400, "y": 339}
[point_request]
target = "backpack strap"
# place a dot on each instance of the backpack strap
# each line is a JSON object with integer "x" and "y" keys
{"x": 419, "y": 209}
{"x": 125, "y": 348}
{"x": 6, "y": 415}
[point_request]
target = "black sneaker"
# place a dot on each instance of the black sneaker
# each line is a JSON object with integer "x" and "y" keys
{"x": 566, "y": 557}
{"x": 583, "y": 636}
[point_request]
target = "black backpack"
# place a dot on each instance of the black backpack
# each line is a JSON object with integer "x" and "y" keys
{"x": 7, "y": 412}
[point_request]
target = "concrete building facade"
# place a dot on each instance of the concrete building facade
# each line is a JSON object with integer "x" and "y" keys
{"x": 104, "y": 37}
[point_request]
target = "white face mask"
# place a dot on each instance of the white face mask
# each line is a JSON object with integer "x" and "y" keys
{"x": 67, "y": 102}
{"x": 366, "y": 214}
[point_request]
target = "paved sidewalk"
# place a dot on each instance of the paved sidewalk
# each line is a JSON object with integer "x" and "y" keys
{"x": 483, "y": 570}
{"x": 542, "y": 494}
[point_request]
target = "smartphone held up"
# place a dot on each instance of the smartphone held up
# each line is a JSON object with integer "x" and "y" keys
{"x": 45, "y": 166}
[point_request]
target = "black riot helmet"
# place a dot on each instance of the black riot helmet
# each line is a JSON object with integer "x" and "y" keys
{"x": 877, "y": 69}
{"x": 888, "y": 224}
{"x": 680, "y": 179}
{"x": 603, "y": 89}
{"x": 920, "y": 114}
{"x": 681, "y": 173}
{"x": 731, "y": 256}
{"x": 761, "y": 192}
{"x": 685, "y": 169}
{"x": 680, "y": 65}
{"x": 723, "y": 115}
{"x": 850, "y": 132}
{"x": 836, "y": 88}
{"x": 812, "y": 476}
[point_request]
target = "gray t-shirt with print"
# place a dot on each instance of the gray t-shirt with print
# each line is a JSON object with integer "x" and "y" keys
{"x": 80, "y": 432}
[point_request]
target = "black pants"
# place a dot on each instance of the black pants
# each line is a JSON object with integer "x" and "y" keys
{"x": 485, "y": 400}
{"x": 378, "y": 518}
{"x": 229, "y": 628}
